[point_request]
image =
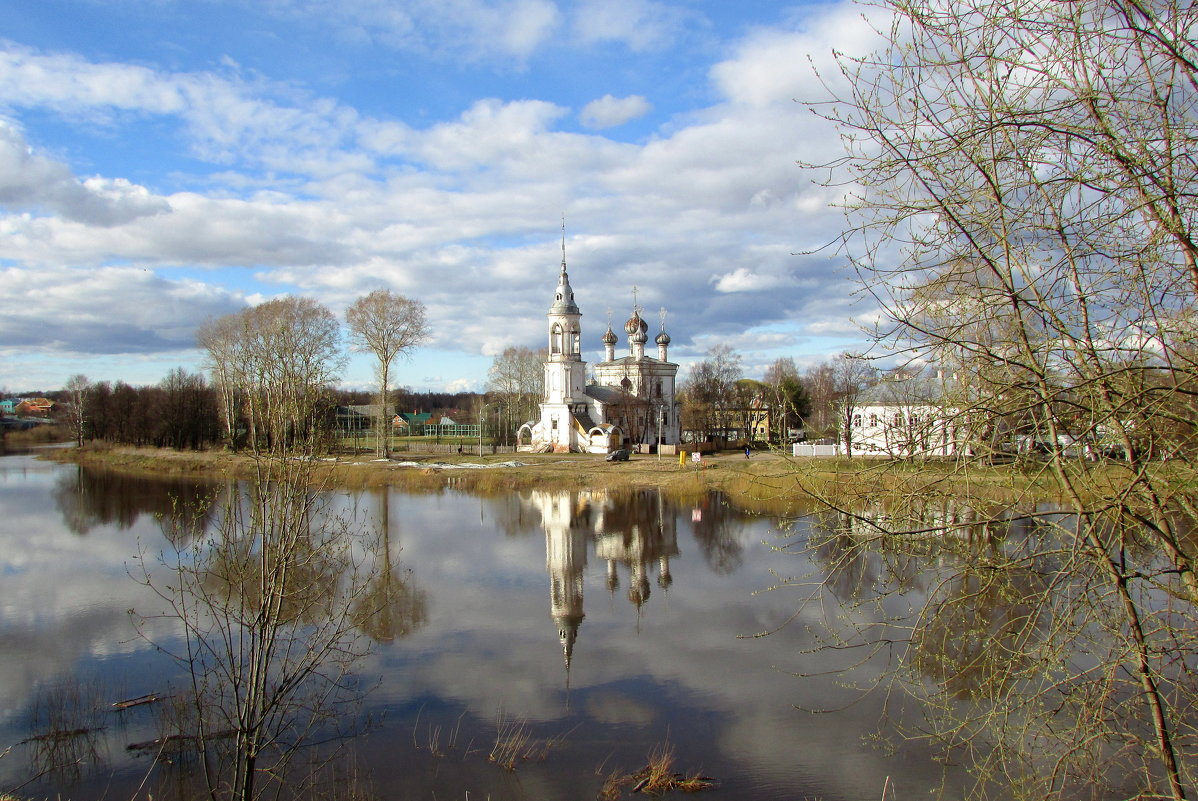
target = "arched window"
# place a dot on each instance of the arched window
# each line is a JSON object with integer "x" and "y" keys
{"x": 555, "y": 339}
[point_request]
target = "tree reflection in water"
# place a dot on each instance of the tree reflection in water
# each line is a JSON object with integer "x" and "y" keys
{"x": 91, "y": 498}
{"x": 392, "y": 605}
{"x": 1015, "y": 641}
{"x": 266, "y": 598}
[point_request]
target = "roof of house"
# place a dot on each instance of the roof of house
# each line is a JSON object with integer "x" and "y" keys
{"x": 922, "y": 388}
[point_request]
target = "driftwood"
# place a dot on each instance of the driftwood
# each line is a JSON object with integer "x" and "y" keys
{"x": 58, "y": 736}
{"x": 128, "y": 703}
{"x": 176, "y": 740}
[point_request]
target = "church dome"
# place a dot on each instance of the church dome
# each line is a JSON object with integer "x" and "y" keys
{"x": 609, "y": 338}
{"x": 663, "y": 338}
{"x": 635, "y": 324}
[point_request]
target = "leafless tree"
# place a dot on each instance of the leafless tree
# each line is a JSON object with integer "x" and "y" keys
{"x": 708, "y": 392}
{"x": 818, "y": 385}
{"x": 788, "y": 396}
{"x": 516, "y": 379}
{"x": 851, "y": 375}
{"x": 1021, "y": 205}
{"x": 76, "y": 412}
{"x": 275, "y": 361}
{"x": 267, "y": 598}
{"x": 268, "y": 589}
{"x": 387, "y": 325}
{"x": 223, "y": 346}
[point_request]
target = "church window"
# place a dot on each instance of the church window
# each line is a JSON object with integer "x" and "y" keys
{"x": 657, "y": 389}
{"x": 555, "y": 339}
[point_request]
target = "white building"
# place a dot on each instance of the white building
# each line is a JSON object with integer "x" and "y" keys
{"x": 904, "y": 417}
{"x": 628, "y": 401}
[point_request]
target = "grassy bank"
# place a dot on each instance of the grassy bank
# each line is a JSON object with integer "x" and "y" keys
{"x": 767, "y": 482}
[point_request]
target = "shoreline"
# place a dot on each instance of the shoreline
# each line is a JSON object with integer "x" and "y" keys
{"x": 768, "y": 482}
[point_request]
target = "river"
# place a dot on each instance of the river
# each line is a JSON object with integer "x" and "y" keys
{"x": 602, "y": 625}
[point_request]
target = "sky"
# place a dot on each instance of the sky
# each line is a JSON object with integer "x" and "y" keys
{"x": 163, "y": 162}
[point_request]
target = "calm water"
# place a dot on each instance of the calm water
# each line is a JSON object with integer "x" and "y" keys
{"x": 613, "y": 623}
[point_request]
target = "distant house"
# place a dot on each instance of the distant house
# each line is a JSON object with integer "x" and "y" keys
{"x": 412, "y": 422}
{"x": 9, "y": 406}
{"x": 34, "y": 407}
{"x": 905, "y": 416}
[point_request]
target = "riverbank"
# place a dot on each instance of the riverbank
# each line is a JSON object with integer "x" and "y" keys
{"x": 768, "y": 481}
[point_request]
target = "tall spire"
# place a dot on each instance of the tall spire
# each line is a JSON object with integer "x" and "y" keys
{"x": 563, "y": 299}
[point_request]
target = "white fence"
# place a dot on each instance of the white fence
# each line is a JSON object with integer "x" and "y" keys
{"x": 803, "y": 449}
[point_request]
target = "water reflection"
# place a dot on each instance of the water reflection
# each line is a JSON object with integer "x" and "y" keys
{"x": 634, "y": 533}
{"x": 393, "y": 604}
{"x": 612, "y": 617}
{"x": 91, "y": 498}
{"x": 1047, "y": 649}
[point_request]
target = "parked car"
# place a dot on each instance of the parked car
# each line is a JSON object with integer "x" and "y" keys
{"x": 619, "y": 456}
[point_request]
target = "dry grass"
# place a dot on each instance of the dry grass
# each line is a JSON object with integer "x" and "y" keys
{"x": 514, "y": 743}
{"x": 658, "y": 776}
{"x": 768, "y": 483}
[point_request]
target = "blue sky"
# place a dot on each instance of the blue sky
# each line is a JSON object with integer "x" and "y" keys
{"x": 165, "y": 161}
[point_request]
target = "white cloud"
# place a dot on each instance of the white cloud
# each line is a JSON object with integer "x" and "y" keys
{"x": 29, "y": 181}
{"x": 471, "y": 30}
{"x": 609, "y": 111}
{"x": 638, "y": 24}
{"x": 742, "y": 279}
{"x": 104, "y": 310}
{"x": 459, "y": 212}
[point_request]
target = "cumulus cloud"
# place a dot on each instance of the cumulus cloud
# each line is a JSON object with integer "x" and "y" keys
{"x": 29, "y": 181}
{"x": 460, "y": 211}
{"x": 104, "y": 311}
{"x": 742, "y": 279}
{"x": 225, "y": 117}
{"x": 637, "y": 24}
{"x": 608, "y": 111}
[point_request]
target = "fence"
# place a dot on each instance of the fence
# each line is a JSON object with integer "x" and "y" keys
{"x": 804, "y": 449}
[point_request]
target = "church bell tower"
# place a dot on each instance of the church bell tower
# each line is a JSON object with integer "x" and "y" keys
{"x": 565, "y": 371}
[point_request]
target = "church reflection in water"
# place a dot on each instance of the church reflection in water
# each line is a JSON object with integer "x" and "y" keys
{"x": 635, "y": 534}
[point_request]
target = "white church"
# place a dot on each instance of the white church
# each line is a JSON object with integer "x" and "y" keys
{"x": 628, "y": 401}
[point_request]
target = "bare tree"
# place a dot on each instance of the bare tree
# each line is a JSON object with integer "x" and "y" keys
{"x": 220, "y": 339}
{"x": 851, "y": 375}
{"x": 819, "y": 387}
{"x": 387, "y": 325}
{"x": 708, "y": 392}
{"x": 516, "y": 379}
{"x": 788, "y": 396}
{"x": 1022, "y": 209}
{"x": 268, "y": 599}
{"x": 76, "y": 389}
{"x": 275, "y": 361}
{"x": 268, "y": 592}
